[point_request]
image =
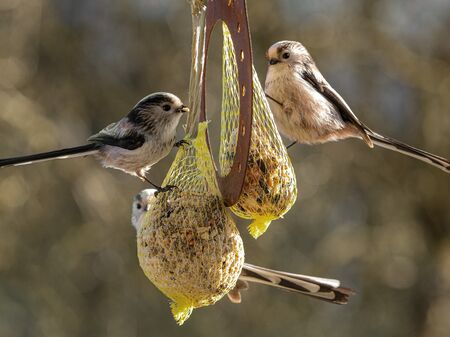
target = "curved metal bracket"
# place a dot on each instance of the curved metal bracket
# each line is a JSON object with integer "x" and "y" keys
{"x": 234, "y": 14}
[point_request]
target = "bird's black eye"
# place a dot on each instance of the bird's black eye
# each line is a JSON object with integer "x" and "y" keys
{"x": 138, "y": 206}
{"x": 166, "y": 107}
{"x": 285, "y": 55}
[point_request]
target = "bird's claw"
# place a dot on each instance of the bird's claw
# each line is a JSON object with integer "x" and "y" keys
{"x": 290, "y": 145}
{"x": 164, "y": 189}
{"x": 181, "y": 143}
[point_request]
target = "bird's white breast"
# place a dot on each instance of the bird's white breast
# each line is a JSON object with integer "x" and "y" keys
{"x": 305, "y": 115}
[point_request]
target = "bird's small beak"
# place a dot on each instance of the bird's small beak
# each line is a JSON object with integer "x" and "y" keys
{"x": 273, "y": 61}
{"x": 183, "y": 109}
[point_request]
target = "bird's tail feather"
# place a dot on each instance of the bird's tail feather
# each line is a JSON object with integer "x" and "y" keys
{"x": 321, "y": 288}
{"x": 72, "y": 152}
{"x": 395, "y": 145}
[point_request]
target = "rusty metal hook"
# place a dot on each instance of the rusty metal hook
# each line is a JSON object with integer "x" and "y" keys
{"x": 234, "y": 14}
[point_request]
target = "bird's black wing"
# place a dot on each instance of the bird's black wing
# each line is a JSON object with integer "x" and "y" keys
{"x": 130, "y": 141}
{"x": 323, "y": 87}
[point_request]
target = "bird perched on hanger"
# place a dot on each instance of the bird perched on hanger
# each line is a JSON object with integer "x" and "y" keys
{"x": 320, "y": 288}
{"x": 308, "y": 110}
{"x": 133, "y": 144}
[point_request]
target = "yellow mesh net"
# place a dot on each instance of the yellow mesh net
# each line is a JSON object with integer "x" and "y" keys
{"x": 270, "y": 187}
{"x": 188, "y": 245}
{"x": 230, "y": 106}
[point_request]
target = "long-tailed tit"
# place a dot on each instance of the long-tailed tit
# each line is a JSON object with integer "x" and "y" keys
{"x": 308, "y": 110}
{"x": 133, "y": 144}
{"x": 321, "y": 288}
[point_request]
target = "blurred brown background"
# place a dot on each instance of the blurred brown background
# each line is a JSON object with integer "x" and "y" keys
{"x": 378, "y": 221}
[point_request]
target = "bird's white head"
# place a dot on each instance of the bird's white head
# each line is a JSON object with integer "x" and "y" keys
{"x": 158, "y": 112}
{"x": 140, "y": 206}
{"x": 286, "y": 53}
